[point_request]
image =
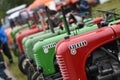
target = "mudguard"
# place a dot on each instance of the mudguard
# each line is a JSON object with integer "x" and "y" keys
{"x": 20, "y": 37}
{"x": 116, "y": 29}
{"x": 72, "y": 53}
{"x": 44, "y": 52}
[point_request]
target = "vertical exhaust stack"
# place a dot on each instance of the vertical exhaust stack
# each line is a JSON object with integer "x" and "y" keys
{"x": 65, "y": 21}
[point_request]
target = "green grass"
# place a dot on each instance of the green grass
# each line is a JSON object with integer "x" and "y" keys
{"x": 15, "y": 70}
{"x": 107, "y": 6}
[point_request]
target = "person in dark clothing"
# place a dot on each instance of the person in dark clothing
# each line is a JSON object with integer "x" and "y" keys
{"x": 4, "y": 44}
{"x": 85, "y": 8}
{"x": 2, "y": 63}
{"x": 3, "y": 75}
{"x": 2, "y": 67}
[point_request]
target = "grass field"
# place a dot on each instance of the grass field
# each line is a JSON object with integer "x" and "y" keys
{"x": 107, "y": 6}
{"x": 15, "y": 70}
{"x": 111, "y": 4}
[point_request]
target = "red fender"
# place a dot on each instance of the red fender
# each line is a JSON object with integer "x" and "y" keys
{"x": 20, "y": 36}
{"x": 116, "y": 29}
{"x": 72, "y": 53}
{"x": 97, "y": 20}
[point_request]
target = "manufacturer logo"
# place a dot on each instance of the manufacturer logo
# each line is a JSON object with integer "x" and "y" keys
{"x": 48, "y": 46}
{"x": 73, "y": 47}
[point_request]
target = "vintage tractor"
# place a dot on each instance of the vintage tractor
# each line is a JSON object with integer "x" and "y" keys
{"x": 91, "y": 56}
{"x": 44, "y": 54}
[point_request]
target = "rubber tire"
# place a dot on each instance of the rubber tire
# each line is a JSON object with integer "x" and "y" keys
{"x": 21, "y": 58}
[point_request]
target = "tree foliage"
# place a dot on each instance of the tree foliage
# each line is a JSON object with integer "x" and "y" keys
{"x": 8, "y": 4}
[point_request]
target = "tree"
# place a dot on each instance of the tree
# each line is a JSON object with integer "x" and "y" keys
{"x": 8, "y": 4}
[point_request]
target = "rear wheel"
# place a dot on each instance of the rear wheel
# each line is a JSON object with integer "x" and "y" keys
{"x": 22, "y": 63}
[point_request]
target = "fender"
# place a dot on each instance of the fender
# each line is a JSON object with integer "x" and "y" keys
{"x": 20, "y": 37}
{"x": 116, "y": 29}
{"x": 72, "y": 53}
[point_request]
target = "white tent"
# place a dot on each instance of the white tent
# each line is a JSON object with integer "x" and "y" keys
{"x": 13, "y": 15}
{"x": 22, "y": 12}
{"x": 103, "y": 1}
{"x": 16, "y": 9}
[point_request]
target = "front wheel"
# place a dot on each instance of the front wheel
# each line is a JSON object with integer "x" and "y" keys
{"x": 22, "y": 63}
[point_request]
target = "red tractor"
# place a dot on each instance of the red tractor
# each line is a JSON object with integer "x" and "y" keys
{"x": 93, "y": 55}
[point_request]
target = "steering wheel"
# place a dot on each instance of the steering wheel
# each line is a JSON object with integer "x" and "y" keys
{"x": 108, "y": 12}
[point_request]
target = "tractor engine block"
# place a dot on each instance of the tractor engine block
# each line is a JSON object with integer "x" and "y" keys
{"x": 102, "y": 67}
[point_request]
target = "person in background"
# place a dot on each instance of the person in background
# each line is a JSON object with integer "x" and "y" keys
{"x": 4, "y": 44}
{"x": 2, "y": 66}
{"x": 85, "y": 8}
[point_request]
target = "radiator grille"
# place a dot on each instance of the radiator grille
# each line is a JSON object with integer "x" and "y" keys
{"x": 36, "y": 59}
{"x": 63, "y": 68}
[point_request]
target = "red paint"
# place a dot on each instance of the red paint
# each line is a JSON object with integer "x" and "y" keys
{"x": 97, "y": 20}
{"x": 116, "y": 28}
{"x": 20, "y": 36}
{"x": 73, "y": 67}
